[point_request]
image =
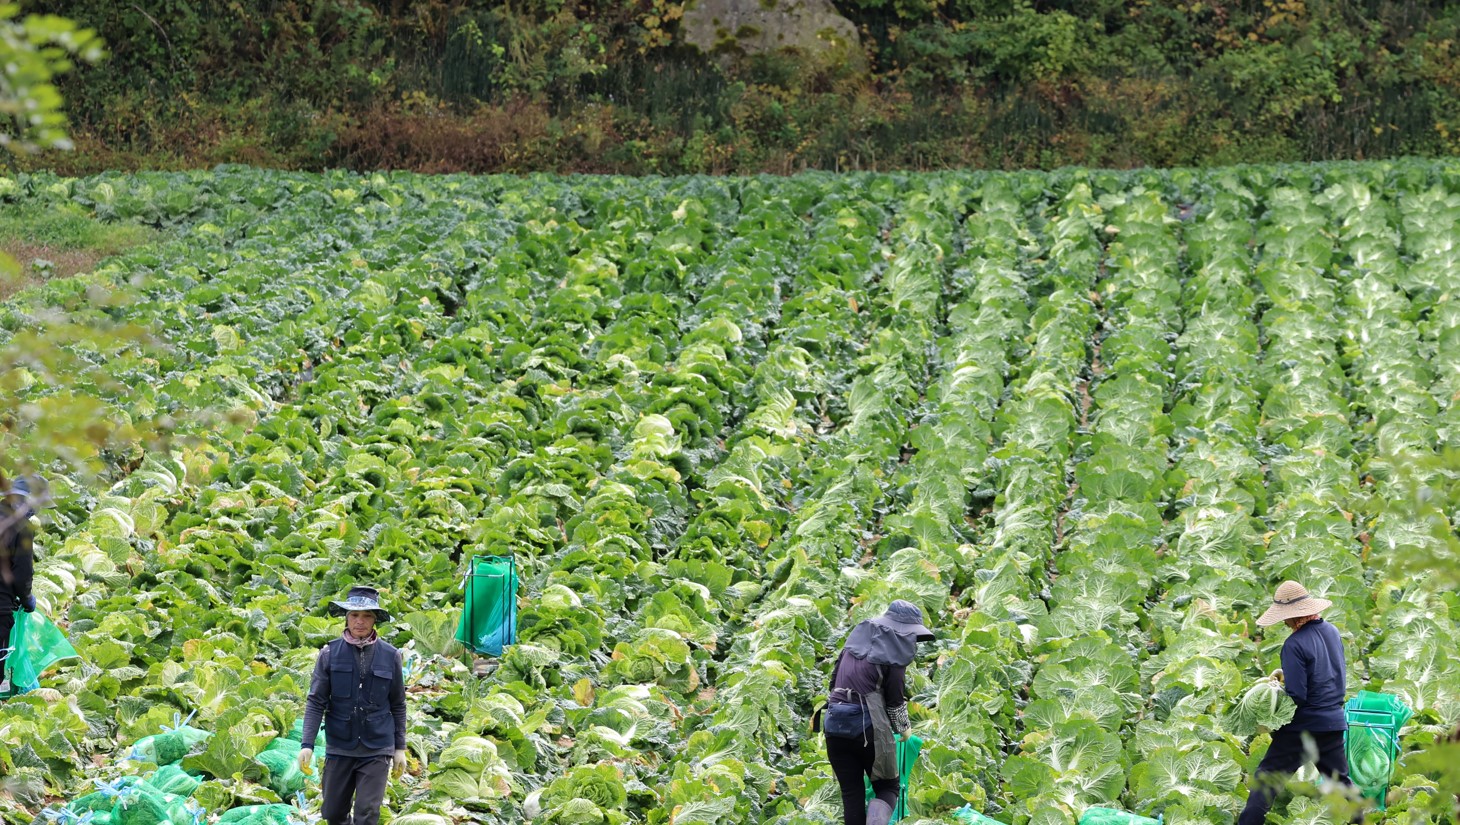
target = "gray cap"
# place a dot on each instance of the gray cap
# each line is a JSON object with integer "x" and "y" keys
{"x": 906, "y": 618}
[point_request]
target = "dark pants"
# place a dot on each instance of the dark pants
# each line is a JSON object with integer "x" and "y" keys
{"x": 360, "y": 779}
{"x": 851, "y": 760}
{"x": 7, "y": 623}
{"x": 1291, "y": 750}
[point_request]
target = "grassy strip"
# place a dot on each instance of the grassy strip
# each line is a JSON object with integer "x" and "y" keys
{"x": 57, "y": 242}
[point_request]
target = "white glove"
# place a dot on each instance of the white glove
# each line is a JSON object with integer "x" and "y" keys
{"x": 306, "y": 761}
{"x": 398, "y": 763}
{"x": 1277, "y": 674}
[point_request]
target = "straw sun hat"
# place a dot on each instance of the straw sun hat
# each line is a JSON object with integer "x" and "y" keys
{"x": 1292, "y": 601}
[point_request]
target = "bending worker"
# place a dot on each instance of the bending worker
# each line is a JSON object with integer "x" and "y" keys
{"x": 867, "y": 703}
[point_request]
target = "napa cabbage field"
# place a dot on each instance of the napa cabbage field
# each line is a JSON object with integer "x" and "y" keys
{"x": 1086, "y": 420}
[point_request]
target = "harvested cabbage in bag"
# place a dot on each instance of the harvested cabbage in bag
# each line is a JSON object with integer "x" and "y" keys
{"x": 138, "y": 808}
{"x": 285, "y": 777}
{"x": 169, "y": 746}
{"x": 1370, "y": 763}
{"x": 1264, "y": 705}
{"x": 93, "y": 802}
{"x": 257, "y": 815}
{"x": 174, "y": 780}
{"x": 968, "y": 816}
{"x": 1110, "y": 816}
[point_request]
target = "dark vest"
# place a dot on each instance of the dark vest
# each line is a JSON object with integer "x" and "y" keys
{"x": 358, "y": 716}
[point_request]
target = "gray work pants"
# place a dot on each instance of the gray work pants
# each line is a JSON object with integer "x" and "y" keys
{"x": 353, "y": 779}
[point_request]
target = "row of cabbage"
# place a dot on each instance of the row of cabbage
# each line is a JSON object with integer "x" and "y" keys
{"x": 1172, "y": 563}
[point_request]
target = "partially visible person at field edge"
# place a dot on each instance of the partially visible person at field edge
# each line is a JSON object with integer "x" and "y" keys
{"x": 359, "y": 692}
{"x": 867, "y": 704}
{"x": 1313, "y": 673}
{"x": 17, "y": 562}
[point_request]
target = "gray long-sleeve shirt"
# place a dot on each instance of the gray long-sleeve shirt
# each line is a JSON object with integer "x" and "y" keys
{"x": 316, "y": 703}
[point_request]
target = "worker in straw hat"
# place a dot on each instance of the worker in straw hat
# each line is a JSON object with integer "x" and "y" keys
{"x": 359, "y": 692}
{"x": 1313, "y": 674}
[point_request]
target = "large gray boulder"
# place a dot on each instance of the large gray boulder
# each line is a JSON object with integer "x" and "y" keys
{"x": 811, "y": 27}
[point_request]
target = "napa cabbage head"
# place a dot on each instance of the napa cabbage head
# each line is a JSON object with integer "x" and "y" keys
{"x": 1264, "y": 705}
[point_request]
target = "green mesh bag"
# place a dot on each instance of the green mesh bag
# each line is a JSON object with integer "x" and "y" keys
{"x": 296, "y": 735}
{"x": 183, "y": 811}
{"x": 93, "y": 803}
{"x": 169, "y": 746}
{"x": 285, "y": 777}
{"x": 136, "y": 807}
{"x": 258, "y": 815}
{"x": 1111, "y": 816}
{"x": 1372, "y": 741}
{"x": 35, "y": 644}
{"x": 174, "y": 780}
{"x": 968, "y": 816}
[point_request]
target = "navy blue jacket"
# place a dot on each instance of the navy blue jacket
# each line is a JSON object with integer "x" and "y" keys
{"x": 1313, "y": 673}
{"x": 363, "y": 715}
{"x": 17, "y": 559}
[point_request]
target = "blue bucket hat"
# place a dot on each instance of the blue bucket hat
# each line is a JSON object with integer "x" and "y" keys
{"x": 20, "y": 487}
{"x": 360, "y": 598}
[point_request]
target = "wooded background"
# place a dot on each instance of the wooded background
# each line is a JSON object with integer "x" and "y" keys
{"x": 609, "y": 86}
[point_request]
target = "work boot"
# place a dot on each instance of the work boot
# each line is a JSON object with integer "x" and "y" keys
{"x": 878, "y": 812}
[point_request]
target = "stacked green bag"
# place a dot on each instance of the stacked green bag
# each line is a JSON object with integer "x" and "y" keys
{"x": 134, "y": 801}
{"x": 259, "y": 815}
{"x": 169, "y": 746}
{"x": 1111, "y": 816}
{"x": 281, "y": 757}
{"x": 968, "y": 816}
{"x": 174, "y": 780}
{"x": 164, "y": 797}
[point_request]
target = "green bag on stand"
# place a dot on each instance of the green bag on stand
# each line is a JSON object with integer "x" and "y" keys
{"x": 1372, "y": 741}
{"x": 907, "y": 756}
{"x": 489, "y": 616}
{"x": 35, "y": 644}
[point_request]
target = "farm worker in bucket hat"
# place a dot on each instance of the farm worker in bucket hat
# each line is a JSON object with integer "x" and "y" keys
{"x": 1313, "y": 674}
{"x": 359, "y": 691}
{"x": 867, "y": 703}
